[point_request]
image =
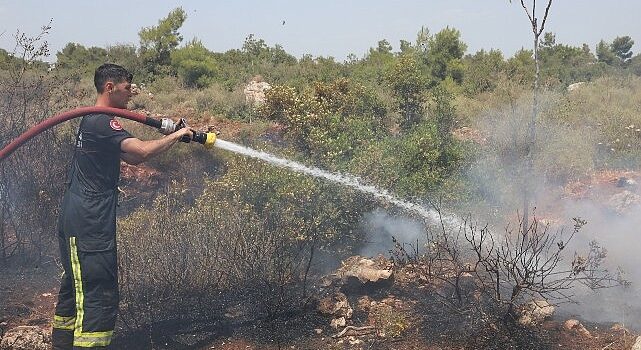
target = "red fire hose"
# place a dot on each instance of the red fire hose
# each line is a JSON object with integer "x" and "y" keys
{"x": 205, "y": 138}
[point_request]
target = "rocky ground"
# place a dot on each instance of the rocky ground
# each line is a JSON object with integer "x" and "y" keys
{"x": 364, "y": 304}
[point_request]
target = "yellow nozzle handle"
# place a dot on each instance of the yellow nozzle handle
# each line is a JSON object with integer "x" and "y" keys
{"x": 209, "y": 140}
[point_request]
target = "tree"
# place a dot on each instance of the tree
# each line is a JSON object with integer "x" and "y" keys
{"x": 126, "y": 56}
{"x": 616, "y": 53}
{"x": 80, "y": 59}
{"x": 445, "y": 51}
{"x": 604, "y": 53}
{"x": 621, "y": 48}
{"x": 482, "y": 70}
{"x": 157, "y": 42}
{"x": 565, "y": 63}
{"x": 194, "y": 64}
{"x": 409, "y": 87}
{"x": 529, "y": 148}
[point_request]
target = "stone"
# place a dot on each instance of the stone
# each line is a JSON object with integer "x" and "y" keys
{"x": 335, "y": 305}
{"x": 26, "y": 338}
{"x": 637, "y": 344}
{"x": 364, "y": 303}
{"x": 338, "y": 322}
{"x": 575, "y": 86}
{"x": 255, "y": 91}
{"x": 618, "y": 327}
{"x": 358, "y": 273}
{"x": 576, "y": 326}
{"x": 534, "y": 312}
{"x": 624, "y": 201}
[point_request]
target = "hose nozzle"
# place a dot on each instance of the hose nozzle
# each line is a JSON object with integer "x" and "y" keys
{"x": 167, "y": 126}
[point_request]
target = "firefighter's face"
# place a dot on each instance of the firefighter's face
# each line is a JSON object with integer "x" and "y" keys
{"x": 119, "y": 94}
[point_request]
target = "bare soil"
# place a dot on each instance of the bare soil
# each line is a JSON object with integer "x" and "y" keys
{"x": 28, "y": 295}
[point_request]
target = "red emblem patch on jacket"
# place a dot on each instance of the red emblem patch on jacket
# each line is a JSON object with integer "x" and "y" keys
{"x": 115, "y": 125}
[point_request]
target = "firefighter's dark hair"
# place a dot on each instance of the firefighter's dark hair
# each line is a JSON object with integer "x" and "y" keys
{"x": 110, "y": 72}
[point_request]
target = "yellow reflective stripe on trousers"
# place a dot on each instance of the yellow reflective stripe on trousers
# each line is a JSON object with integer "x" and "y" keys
{"x": 89, "y": 339}
{"x": 64, "y": 322}
{"x": 77, "y": 282}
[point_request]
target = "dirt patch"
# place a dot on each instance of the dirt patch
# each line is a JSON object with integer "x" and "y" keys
{"x": 28, "y": 296}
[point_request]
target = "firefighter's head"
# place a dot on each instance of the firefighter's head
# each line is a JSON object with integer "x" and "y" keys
{"x": 113, "y": 84}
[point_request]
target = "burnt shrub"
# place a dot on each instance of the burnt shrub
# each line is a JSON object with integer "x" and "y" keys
{"x": 251, "y": 238}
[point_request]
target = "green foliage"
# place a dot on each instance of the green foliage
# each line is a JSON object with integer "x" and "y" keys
{"x": 127, "y": 56}
{"x": 482, "y": 71}
{"x": 617, "y": 53}
{"x": 329, "y": 121}
{"x": 621, "y": 47}
{"x": 604, "y": 53}
{"x": 257, "y": 49}
{"x": 304, "y": 207}
{"x": 520, "y": 67}
{"x": 444, "y": 54}
{"x": 372, "y": 68}
{"x": 194, "y": 64}
{"x": 157, "y": 42}
{"x": 566, "y": 64}
{"x": 408, "y": 86}
{"x": 79, "y": 60}
{"x": 415, "y": 164}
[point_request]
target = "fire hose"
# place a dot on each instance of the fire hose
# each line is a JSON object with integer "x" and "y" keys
{"x": 165, "y": 125}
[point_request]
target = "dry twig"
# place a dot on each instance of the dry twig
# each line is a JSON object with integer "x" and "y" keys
{"x": 352, "y": 328}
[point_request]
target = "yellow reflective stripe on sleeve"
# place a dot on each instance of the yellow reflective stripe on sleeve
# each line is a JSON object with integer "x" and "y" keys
{"x": 64, "y": 322}
{"x": 77, "y": 282}
{"x": 90, "y": 339}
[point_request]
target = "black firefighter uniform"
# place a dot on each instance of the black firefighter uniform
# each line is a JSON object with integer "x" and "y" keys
{"x": 85, "y": 315}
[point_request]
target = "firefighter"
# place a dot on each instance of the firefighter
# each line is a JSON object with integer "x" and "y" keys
{"x": 85, "y": 315}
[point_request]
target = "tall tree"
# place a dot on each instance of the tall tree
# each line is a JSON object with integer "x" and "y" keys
{"x": 604, "y": 53}
{"x": 445, "y": 50}
{"x": 157, "y": 42}
{"x": 409, "y": 87}
{"x": 621, "y": 48}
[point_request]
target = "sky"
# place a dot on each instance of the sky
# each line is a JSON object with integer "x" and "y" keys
{"x": 335, "y": 28}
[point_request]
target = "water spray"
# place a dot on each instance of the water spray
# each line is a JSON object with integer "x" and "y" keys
{"x": 167, "y": 126}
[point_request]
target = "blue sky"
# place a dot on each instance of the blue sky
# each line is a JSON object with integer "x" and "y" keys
{"x": 321, "y": 28}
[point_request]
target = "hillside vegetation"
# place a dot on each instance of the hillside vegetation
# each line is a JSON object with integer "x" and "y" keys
{"x": 430, "y": 122}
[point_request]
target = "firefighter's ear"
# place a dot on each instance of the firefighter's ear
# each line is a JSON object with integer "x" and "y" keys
{"x": 109, "y": 87}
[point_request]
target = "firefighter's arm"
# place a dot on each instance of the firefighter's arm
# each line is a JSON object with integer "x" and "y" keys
{"x": 135, "y": 151}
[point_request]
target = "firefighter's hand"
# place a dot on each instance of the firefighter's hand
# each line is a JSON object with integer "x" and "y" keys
{"x": 183, "y": 134}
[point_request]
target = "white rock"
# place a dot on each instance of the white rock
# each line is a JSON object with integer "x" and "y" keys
{"x": 338, "y": 322}
{"x": 535, "y": 312}
{"x": 637, "y": 344}
{"x": 255, "y": 92}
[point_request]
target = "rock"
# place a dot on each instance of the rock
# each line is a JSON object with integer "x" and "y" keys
{"x": 622, "y": 202}
{"x": 338, "y": 322}
{"x": 358, "y": 273}
{"x": 575, "y": 86}
{"x": 576, "y": 326}
{"x": 26, "y": 338}
{"x": 318, "y": 330}
{"x": 625, "y": 182}
{"x": 335, "y": 305}
{"x": 534, "y": 312}
{"x": 364, "y": 303}
{"x": 255, "y": 91}
{"x": 617, "y": 327}
{"x": 637, "y": 344}
{"x": 135, "y": 89}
